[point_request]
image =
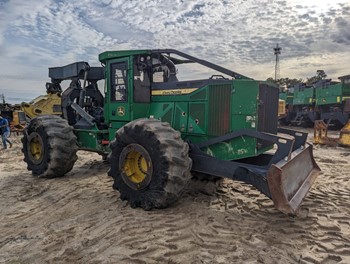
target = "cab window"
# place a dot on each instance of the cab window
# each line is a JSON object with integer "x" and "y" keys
{"x": 119, "y": 82}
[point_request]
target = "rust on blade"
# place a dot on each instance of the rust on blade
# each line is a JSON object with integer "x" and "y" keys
{"x": 290, "y": 180}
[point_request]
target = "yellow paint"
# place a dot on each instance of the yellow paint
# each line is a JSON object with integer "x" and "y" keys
{"x": 281, "y": 107}
{"x": 36, "y": 149}
{"x": 43, "y": 105}
{"x": 321, "y": 137}
{"x": 174, "y": 91}
{"x": 135, "y": 167}
{"x": 344, "y": 138}
{"x": 338, "y": 99}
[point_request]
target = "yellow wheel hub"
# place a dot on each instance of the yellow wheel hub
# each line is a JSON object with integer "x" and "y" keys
{"x": 136, "y": 166}
{"x": 36, "y": 148}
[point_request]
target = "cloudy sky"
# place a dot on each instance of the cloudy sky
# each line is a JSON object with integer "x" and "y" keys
{"x": 237, "y": 34}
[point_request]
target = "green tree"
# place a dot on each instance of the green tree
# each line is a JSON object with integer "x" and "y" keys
{"x": 320, "y": 75}
{"x": 284, "y": 82}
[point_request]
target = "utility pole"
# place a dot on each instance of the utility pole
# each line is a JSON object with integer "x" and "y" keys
{"x": 277, "y": 50}
{"x": 2, "y": 98}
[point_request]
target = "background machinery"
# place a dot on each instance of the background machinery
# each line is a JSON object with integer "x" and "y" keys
{"x": 156, "y": 129}
{"x": 333, "y": 101}
{"x": 321, "y": 135}
{"x": 325, "y": 100}
{"x": 324, "y": 105}
{"x": 16, "y": 118}
{"x": 300, "y": 105}
{"x": 49, "y": 104}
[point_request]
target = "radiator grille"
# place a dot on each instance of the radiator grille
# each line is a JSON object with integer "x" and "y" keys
{"x": 219, "y": 109}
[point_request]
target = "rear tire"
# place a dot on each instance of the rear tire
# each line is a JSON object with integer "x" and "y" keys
{"x": 49, "y": 146}
{"x": 149, "y": 163}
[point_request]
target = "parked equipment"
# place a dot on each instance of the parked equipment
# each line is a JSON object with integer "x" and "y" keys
{"x": 49, "y": 104}
{"x": 157, "y": 129}
{"x": 325, "y": 100}
{"x": 321, "y": 135}
{"x": 14, "y": 115}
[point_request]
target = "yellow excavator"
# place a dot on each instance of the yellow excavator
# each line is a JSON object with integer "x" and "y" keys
{"x": 321, "y": 135}
{"x": 49, "y": 104}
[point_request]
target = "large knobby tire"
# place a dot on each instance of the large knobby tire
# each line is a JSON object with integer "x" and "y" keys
{"x": 149, "y": 163}
{"x": 49, "y": 146}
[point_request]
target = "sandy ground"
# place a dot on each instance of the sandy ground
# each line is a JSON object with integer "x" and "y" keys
{"x": 80, "y": 219}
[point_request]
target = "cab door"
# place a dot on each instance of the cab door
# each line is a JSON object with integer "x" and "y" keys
{"x": 119, "y": 92}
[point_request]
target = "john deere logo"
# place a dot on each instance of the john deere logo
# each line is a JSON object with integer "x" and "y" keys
{"x": 121, "y": 111}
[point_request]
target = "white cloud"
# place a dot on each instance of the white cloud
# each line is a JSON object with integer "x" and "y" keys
{"x": 35, "y": 35}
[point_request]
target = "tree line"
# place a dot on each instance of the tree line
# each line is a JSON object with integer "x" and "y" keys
{"x": 287, "y": 82}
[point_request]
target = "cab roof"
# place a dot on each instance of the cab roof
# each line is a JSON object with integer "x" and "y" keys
{"x": 107, "y": 55}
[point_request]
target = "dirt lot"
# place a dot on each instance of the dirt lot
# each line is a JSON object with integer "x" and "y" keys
{"x": 80, "y": 219}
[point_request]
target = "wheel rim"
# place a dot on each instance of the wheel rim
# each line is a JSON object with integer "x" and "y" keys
{"x": 136, "y": 166}
{"x": 36, "y": 148}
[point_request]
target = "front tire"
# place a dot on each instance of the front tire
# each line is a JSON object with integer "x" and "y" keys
{"x": 49, "y": 146}
{"x": 149, "y": 163}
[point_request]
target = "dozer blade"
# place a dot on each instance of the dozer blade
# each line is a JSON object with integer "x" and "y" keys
{"x": 289, "y": 180}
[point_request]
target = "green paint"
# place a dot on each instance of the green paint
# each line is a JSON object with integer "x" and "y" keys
{"x": 332, "y": 94}
{"x": 92, "y": 140}
{"x": 216, "y": 109}
{"x": 304, "y": 97}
